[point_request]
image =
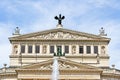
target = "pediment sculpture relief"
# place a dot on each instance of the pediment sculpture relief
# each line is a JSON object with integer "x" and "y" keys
{"x": 62, "y": 65}
{"x": 59, "y": 35}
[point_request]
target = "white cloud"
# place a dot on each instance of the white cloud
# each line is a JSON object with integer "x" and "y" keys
{"x": 80, "y": 15}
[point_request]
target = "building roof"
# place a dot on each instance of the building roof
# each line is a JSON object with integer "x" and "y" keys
{"x": 60, "y": 34}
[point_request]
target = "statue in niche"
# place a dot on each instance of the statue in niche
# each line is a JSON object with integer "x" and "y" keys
{"x": 73, "y": 49}
{"x": 44, "y": 49}
{"x": 15, "y": 49}
{"x": 103, "y": 50}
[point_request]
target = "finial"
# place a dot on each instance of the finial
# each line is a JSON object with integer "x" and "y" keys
{"x": 113, "y": 66}
{"x": 4, "y": 69}
{"x": 102, "y": 32}
{"x": 17, "y": 31}
{"x": 60, "y": 18}
{"x": 5, "y": 65}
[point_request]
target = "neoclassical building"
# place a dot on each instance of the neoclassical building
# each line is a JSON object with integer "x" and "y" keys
{"x": 85, "y": 56}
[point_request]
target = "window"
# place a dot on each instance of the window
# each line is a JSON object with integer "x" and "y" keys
{"x": 88, "y": 49}
{"x": 51, "y": 49}
{"x": 37, "y": 49}
{"x": 81, "y": 49}
{"x": 66, "y": 49}
{"x": 30, "y": 49}
{"x": 96, "y": 49}
{"x": 22, "y": 48}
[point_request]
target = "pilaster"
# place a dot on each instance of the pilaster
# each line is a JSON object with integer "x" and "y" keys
{"x": 99, "y": 49}
{"x": 26, "y": 48}
{"x": 84, "y": 49}
{"x": 70, "y": 49}
{"x": 48, "y": 49}
{"x": 33, "y": 49}
{"x": 55, "y": 48}
{"x": 41, "y": 46}
{"x": 92, "y": 49}
{"x": 63, "y": 49}
{"x": 19, "y": 48}
{"x": 77, "y": 49}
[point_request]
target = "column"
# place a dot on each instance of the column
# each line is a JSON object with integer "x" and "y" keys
{"x": 92, "y": 49}
{"x": 48, "y": 49}
{"x": 41, "y": 46}
{"x": 70, "y": 49}
{"x": 55, "y": 48}
{"x": 33, "y": 49}
{"x": 19, "y": 49}
{"x": 84, "y": 49}
{"x": 77, "y": 49}
{"x": 26, "y": 48}
{"x": 99, "y": 49}
{"x": 63, "y": 49}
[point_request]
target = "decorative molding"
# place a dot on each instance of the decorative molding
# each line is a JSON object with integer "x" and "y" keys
{"x": 59, "y": 35}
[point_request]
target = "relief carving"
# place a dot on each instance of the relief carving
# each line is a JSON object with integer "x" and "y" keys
{"x": 44, "y": 49}
{"x": 103, "y": 50}
{"x": 59, "y": 35}
{"x": 62, "y": 65}
{"x": 15, "y": 49}
{"x": 73, "y": 49}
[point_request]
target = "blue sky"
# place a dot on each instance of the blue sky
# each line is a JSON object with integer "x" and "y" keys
{"x": 81, "y": 15}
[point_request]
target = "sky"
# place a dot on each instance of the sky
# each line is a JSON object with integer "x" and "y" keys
{"x": 81, "y": 15}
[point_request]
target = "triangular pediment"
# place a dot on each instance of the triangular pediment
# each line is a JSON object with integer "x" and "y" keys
{"x": 59, "y": 34}
{"x": 63, "y": 64}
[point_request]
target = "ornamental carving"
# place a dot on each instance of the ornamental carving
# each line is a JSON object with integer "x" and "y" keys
{"x": 59, "y": 35}
{"x": 62, "y": 65}
{"x": 15, "y": 49}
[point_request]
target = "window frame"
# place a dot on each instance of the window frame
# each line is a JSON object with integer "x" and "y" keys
{"x": 37, "y": 49}
{"x": 88, "y": 49}
{"x": 30, "y": 49}
{"x": 22, "y": 49}
{"x": 66, "y": 51}
{"x": 81, "y": 47}
{"x": 52, "y": 51}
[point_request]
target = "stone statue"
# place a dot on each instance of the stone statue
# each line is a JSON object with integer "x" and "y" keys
{"x": 59, "y": 52}
{"x": 60, "y": 18}
{"x": 103, "y": 49}
{"x": 44, "y": 49}
{"x": 102, "y": 32}
{"x": 17, "y": 31}
{"x": 15, "y": 49}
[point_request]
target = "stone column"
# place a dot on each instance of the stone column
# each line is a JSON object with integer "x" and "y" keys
{"x": 48, "y": 49}
{"x": 84, "y": 49}
{"x": 26, "y": 48}
{"x": 70, "y": 49}
{"x": 92, "y": 49}
{"x": 77, "y": 49}
{"x": 41, "y": 48}
{"x": 33, "y": 49}
{"x": 99, "y": 49}
{"x": 63, "y": 49}
{"x": 55, "y": 50}
{"x": 19, "y": 49}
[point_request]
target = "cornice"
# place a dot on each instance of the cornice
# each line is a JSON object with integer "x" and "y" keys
{"x": 25, "y": 36}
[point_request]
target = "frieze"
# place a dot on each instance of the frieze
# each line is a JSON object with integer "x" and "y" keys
{"x": 61, "y": 66}
{"x": 59, "y": 35}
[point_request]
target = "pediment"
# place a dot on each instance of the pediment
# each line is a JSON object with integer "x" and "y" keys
{"x": 58, "y": 34}
{"x": 63, "y": 64}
